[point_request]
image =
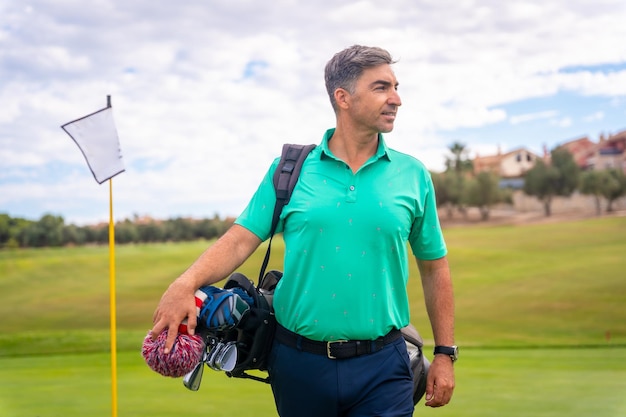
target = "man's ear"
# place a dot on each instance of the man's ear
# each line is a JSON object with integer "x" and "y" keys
{"x": 342, "y": 98}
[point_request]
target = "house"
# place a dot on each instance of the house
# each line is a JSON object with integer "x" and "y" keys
{"x": 511, "y": 165}
{"x": 609, "y": 153}
{"x": 581, "y": 149}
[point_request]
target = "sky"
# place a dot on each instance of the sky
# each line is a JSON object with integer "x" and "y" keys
{"x": 205, "y": 92}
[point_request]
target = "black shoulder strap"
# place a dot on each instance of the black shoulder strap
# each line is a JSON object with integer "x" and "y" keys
{"x": 286, "y": 176}
{"x": 285, "y": 179}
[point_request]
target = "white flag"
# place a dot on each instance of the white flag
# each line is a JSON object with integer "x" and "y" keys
{"x": 97, "y": 139}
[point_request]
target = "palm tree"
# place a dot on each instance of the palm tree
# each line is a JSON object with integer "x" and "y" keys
{"x": 458, "y": 165}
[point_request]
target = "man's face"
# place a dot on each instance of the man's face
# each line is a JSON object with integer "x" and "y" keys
{"x": 375, "y": 101}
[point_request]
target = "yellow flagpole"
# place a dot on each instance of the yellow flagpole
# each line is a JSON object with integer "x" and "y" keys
{"x": 112, "y": 306}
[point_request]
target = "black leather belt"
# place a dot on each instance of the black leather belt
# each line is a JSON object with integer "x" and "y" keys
{"x": 336, "y": 349}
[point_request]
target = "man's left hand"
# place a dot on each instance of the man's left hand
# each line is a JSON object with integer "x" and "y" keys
{"x": 440, "y": 381}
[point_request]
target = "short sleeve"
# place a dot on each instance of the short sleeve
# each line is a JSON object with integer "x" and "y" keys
{"x": 426, "y": 237}
{"x": 257, "y": 216}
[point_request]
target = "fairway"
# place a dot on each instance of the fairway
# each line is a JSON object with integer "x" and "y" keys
{"x": 490, "y": 383}
{"x": 540, "y": 320}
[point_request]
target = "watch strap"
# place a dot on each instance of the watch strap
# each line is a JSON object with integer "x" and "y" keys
{"x": 451, "y": 351}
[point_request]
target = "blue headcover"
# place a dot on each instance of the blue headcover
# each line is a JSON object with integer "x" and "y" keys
{"x": 223, "y": 309}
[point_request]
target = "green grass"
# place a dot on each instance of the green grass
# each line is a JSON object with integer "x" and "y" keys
{"x": 555, "y": 284}
{"x": 80, "y": 385}
{"x": 540, "y": 320}
{"x": 490, "y": 383}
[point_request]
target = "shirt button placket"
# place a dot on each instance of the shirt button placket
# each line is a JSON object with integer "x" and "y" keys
{"x": 351, "y": 197}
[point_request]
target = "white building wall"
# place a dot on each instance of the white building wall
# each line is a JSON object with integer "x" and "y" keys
{"x": 516, "y": 163}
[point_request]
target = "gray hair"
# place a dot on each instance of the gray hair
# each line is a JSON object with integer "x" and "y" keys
{"x": 345, "y": 68}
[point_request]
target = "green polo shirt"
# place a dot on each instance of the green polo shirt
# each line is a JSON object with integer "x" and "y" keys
{"x": 346, "y": 262}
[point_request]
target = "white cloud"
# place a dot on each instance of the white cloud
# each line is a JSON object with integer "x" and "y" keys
{"x": 562, "y": 122}
{"x": 599, "y": 115}
{"x": 596, "y": 83}
{"x": 188, "y": 117}
{"x": 529, "y": 117}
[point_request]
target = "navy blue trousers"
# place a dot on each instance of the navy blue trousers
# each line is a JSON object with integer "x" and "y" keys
{"x": 311, "y": 385}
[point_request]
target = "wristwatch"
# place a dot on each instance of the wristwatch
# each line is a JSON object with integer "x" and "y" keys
{"x": 451, "y": 351}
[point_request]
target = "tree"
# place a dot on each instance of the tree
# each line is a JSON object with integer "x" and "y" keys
{"x": 441, "y": 193}
{"x": 74, "y": 235}
{"x": 48, "y": 231}
{"x": 51, "y": 231}
{"x": 178, "y": 229}
{"x": 458, "y": 166}
{"x": 5, "y": 228}
{"x": 459, "y": 162}
{"x": 484, "y": 191}
{"x": 211, "y": 228}
{"x": 151, "y": 231}
{"x": 613, "y": 186}
{"x": 591, "y": 184}
{"x": 448, "y": 190}
{"x": 17, "y": 226}
{"x": 559, "y": 178}
{"x": 126, "y": 232}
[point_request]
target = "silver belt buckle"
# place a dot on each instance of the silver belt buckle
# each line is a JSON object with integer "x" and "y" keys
{"x": 328, "y": 344}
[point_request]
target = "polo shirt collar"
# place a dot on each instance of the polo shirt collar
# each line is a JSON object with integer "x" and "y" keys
{"x": 381, "y": 152}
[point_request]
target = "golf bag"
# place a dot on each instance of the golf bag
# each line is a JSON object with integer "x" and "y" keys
{"x": 252, "y": 336}
{"x": 419, "y": 363}
{"x": 255, "y": 332}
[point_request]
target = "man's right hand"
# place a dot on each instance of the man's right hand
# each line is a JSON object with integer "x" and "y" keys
{"x": 216, "y": 263}
{"x": 177, "y": 304}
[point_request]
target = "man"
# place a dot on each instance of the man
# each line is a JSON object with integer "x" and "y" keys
{"x": 346, "y": 228}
